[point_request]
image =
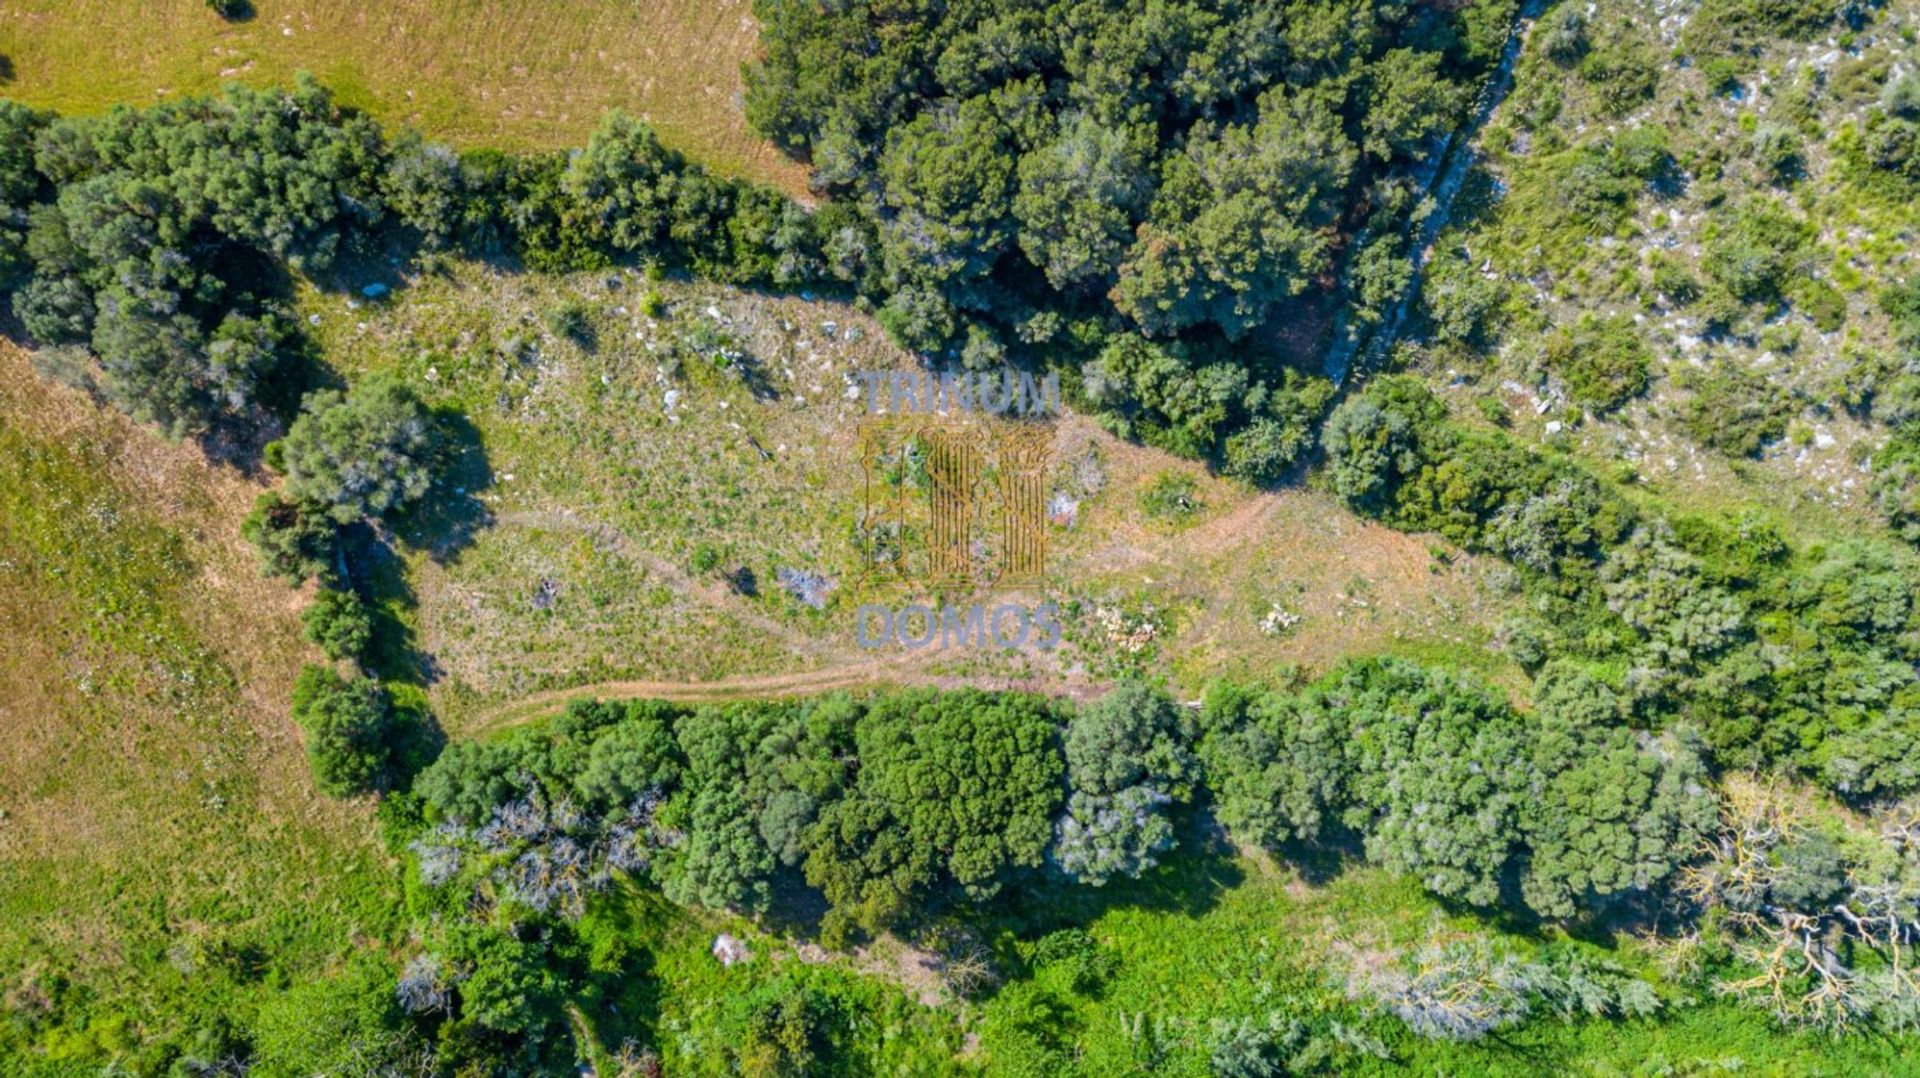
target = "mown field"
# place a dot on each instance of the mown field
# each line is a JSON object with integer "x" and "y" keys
{"x": 512, "y": 75}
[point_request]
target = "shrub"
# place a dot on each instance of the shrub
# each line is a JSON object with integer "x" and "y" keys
{"x": 347, "y": 725}
{"x": 339, "y": 624}
{"x": 570, "y": 319}
{"x": 1758, "y": 256}
{"x": 1734, "y": 410}
{"x": 297, "y": 540}
{"x": 1902, "y": 96}
{"x": 1896, "y": 485}
{"x": 1460, "y": 304}
{"x": 1172, "y": 496}
{"x": 1603, "y": 361}
{"x": 1778, "y": 152}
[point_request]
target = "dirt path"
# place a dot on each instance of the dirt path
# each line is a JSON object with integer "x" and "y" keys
{"x": 895, "y": 672}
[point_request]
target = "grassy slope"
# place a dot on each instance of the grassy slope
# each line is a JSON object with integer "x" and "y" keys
{"x": 511, "y": 74}
{"x": 1207, "y": 942}
{"x": 156, "y": 819}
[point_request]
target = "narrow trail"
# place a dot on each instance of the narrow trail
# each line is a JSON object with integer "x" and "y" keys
{"x": 898, "y": 673}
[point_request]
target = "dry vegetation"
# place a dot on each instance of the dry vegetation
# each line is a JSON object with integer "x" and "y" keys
{"x": 614, "y": 519}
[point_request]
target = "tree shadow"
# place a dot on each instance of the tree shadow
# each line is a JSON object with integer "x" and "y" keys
{"x": 445, "y": 522}
{"x": 624, "y": 1000}
{"x": 1189, "y": 882}
{"x": 796, "y": 909}
{"x": 1478, "y": 198}
{"x": 378, "y": 574}
{"x": 414, "y": 742}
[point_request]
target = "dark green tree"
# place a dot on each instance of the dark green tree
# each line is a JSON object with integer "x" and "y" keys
{"x": 347, "y": 725}
{"x": 364, "y": 453}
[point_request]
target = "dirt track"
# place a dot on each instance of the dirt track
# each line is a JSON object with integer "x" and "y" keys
{"x": 876, "y": 674}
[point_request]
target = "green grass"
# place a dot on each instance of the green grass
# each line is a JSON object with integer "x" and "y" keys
{"x": 508, "y": 74}
{"x": 163, "y": 857}
{"x": 1211, "y": 941}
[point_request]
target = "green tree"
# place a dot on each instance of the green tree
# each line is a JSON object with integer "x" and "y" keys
{"x": 1238, "y": 221}
{"x": 1078, "y": 199}
{"x": 724, "y": 864}
{"x": 1127, "y": 761}
{"x": 1408, "y": 103}
{"x": 1439, "y": 774}
{"x": 1614, "y": 813}
{"x": 364, "y": 453}
{"x": 297, "y": 540}
{"x": 637, "y": 755}
{"x": 347, "y": 725}
{"x": 1277, "y": 770}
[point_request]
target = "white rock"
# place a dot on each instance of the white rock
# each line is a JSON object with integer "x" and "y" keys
{"x": 729, "y": 950}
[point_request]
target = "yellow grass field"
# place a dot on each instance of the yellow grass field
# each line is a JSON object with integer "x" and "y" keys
{"x": 511, "y": 74}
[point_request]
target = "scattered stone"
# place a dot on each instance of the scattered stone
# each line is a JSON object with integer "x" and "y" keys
{"x": 546, "y": 593}
{"x": 1063, "y": 509}
{"x": 730, "y": 951}
{"x": 809, "y": 587}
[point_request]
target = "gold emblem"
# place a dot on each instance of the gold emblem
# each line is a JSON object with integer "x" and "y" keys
{"x": 953, "y": 507}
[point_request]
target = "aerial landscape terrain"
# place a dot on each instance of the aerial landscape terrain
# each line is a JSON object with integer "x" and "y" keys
{"x": 943, "y": 537}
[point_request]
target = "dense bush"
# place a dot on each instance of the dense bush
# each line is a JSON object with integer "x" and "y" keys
{"x": 885, "y": 805}
{"x": 157, "y": 225}
{"x": 1758, "y": 254}
{"x": 347, "y": 723}
{"x": 1439, "y": 778}
{"x": 1179, "y": 176}
{"x": 1733, "y": 409}
{"x": 1896, "y": 485}
{"x": 1771, "y": 654}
